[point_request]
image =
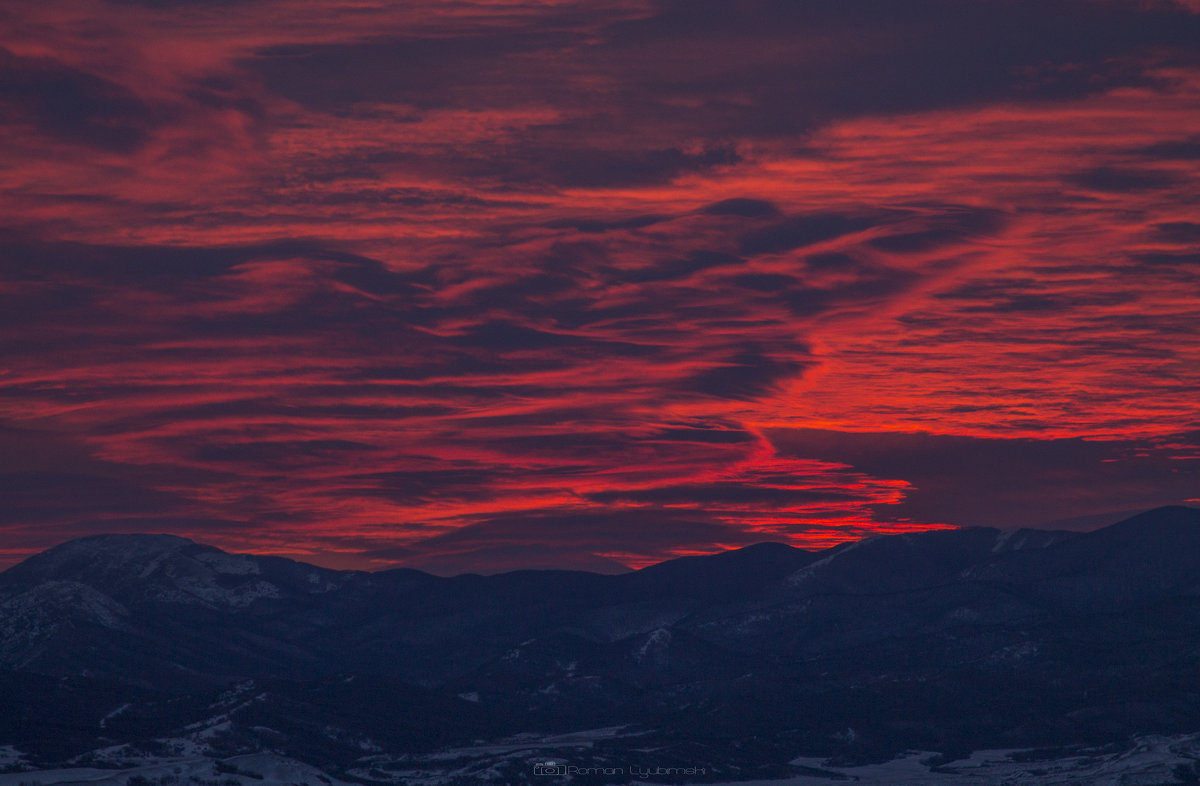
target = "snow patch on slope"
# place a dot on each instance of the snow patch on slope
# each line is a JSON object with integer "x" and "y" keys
{"x": 230, "y": 564}
{"x": 46, "y": 608}
{"x": 236, "y": 597}
{"x": 654, "y": 648}
{"x": 813, "y": 568}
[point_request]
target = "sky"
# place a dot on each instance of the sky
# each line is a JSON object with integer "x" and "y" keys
{"x": 478, "y": 285}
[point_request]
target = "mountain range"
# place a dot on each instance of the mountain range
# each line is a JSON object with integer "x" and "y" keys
{"x": 947, "y": 641}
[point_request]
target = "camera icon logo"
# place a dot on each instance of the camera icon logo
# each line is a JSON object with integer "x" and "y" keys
{"x": 549, "y": 768}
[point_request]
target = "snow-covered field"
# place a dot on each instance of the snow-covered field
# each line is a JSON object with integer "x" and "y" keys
{"x": 1151, "y": 762}
{"x": 257, "y": 769}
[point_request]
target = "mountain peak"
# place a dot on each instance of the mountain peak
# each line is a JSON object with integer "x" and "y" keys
{"x": 108, "y": 551}
{"x": 136, "y": 568}
{"x": 1171, "y": 513}
{"x": 1170, "y": 521}
{"x": 128, "y": 543}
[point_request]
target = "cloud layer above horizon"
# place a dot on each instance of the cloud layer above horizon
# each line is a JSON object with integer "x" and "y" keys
{"x": 487, "y": 284}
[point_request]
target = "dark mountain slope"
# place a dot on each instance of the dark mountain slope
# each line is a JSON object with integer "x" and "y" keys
{"x": 941, "y": 640}
{"x": 163, "y": 611}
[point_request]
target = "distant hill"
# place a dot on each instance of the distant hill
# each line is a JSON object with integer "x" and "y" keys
{"x": 944, "y": 640}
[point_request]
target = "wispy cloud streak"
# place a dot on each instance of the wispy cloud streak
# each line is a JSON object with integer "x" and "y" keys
{"x": 492, "y": 284}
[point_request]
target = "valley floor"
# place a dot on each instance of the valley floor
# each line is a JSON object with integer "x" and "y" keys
{"x": 260, "y": 769}
{"x": 1152, "y": 761}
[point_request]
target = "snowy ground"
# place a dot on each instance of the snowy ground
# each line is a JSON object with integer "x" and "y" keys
{"x": 1152, "y": 762}
{"x": 1149, "y": 763}
{"x": 258, "y": 769}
